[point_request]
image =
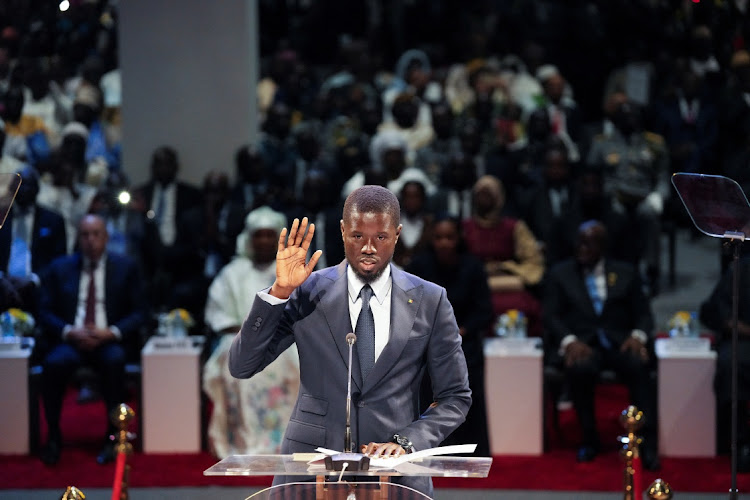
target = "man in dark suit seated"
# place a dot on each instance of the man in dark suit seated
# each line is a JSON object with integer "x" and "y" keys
{"x": 91, "y": 308}
{"x": 32, "y": 237}
{"x": 163, "y": 198}
{"x": 597, "y": 317}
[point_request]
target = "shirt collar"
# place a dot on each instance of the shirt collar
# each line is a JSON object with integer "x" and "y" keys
{"x": 379, "y": 287}
{"x": 99, "y": 264}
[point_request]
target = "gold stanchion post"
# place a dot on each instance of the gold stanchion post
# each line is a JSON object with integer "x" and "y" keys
{"x": 73, "y": 493}
{"x": 659, "y": 490}
{"x": 632, "y": 419}
{"x": 121, "y": 418}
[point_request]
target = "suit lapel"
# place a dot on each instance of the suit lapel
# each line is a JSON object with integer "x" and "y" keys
{"x": 405, "y": 302}
{"x": 334, "y": 301}
{"x": 109, "y": 269}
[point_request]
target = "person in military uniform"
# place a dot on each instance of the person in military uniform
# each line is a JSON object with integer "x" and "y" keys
{"x": 635, "y": 167}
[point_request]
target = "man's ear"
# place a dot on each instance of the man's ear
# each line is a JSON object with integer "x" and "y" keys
{"x": 398, "y": 231}
{"x": 341, "y": 225}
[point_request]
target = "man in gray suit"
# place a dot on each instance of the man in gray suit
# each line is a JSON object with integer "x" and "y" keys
{"x": 414, "y": 329}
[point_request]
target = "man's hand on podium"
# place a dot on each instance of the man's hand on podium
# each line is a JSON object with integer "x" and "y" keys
{"x": 382, "y": 450}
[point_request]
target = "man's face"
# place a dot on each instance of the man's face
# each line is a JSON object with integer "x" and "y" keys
{"x": 265, "y": 242}
{"x": 92, "y": 237}
{"x": 589, "y": 246}
{"x": 164, "y": 170}
{"x": 445, "y": 239}
{"x": 369, "y": 241}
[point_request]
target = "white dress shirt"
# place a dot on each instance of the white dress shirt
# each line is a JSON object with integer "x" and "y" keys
{"x": 380, "y": 305}
{"x": 166, "y": 221}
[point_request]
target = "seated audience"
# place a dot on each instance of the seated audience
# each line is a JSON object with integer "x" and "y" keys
{"x": 597, "y": 317}
{"x": 416, "y": 222}
{"x": 92, "y": 310}
{"x": 252, "y": 188}
{"x": 636, "y": 173}
{"x": 249, "y": 415}
{"x": 447, "y": 263}
{"x": 61, "y": 187}
{"x": 27, "y": 137}
{"x": 511, "y": 254}
{"x": 323, "y": 208}
{"x": 551, "y": 209}
{"x": 31, "y": 238}
{"x": 164, "y": 197}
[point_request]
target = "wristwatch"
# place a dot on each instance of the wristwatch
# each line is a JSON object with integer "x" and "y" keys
{"x": 403, "y": 442}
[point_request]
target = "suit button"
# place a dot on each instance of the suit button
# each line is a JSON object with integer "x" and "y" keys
{"x": 361, "y": 404}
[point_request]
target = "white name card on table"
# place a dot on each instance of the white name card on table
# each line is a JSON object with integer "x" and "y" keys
{"x": 682, "y": 346}
{"x": 499, "y": 346}
{"x": 171, "y": 342}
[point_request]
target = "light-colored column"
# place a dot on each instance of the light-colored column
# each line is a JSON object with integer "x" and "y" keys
{"x": 189, "y": 76}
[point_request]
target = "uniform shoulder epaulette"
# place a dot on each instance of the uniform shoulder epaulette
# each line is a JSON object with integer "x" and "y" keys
{"x": 654, "y": 137}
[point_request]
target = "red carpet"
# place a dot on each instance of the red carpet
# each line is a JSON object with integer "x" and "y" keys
{"x": 555, "y": 470}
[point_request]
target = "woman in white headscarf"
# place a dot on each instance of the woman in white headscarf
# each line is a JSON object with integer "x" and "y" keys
{"x": 249, "y": 416}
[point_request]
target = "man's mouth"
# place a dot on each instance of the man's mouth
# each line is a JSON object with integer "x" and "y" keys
{"x": 368, "y": 263}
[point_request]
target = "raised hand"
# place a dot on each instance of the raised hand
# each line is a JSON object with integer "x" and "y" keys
{"x": 291, "y": 269}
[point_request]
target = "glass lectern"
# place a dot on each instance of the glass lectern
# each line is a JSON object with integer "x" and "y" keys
{"x": 331, "y": 484}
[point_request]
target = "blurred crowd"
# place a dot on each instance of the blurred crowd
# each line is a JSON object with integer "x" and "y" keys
{"x": 521, "y": 120}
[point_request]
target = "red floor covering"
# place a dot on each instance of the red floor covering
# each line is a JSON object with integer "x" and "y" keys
{"x": 556, "y": 469}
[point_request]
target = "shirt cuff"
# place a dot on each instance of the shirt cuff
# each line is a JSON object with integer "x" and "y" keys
{"x": 66, "y": 331}
{"x": 566, "y": 341}
{"x": 267, "y": 297}
{"x": 640, "y": 335}
{"x": 116, "y": 332}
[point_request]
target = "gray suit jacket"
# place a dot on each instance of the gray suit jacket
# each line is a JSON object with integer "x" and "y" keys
{"x": 424, "y": 335}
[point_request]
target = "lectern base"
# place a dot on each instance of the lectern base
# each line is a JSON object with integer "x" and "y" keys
{"x": 371, "y": 490}
{"x": 347, "y": 461}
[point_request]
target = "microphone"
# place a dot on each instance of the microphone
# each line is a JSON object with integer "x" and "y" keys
{"x": 350, "y": 340}
{"x": 348, "y": 460}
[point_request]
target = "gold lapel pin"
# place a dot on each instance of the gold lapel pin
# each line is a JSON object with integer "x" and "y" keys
{"x": 410, "y": 301}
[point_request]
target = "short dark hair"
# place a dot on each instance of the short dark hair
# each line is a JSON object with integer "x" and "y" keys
{"x": 373, "y": 199}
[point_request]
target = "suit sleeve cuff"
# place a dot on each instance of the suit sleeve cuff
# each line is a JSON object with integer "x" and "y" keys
{"x": 267, "y": 297}
{"x": 640, "y": 335}
{"x": 116, "y": 332}
{"x": 566, "y": 341}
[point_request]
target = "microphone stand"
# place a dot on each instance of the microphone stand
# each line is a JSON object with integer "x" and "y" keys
{"x": 349, "y": 459}
{"x": 735, "y": 240}
{"x": 350, "y": 339}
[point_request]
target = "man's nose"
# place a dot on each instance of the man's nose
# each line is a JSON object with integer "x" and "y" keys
{"x": 369, "y": 246}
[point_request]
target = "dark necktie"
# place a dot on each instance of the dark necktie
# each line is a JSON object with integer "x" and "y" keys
{"x": 365, "y": 332}
{"x": 90, "y": 317}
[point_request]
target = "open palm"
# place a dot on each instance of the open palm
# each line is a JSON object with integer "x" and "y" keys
{"x": 291, "y": 269}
